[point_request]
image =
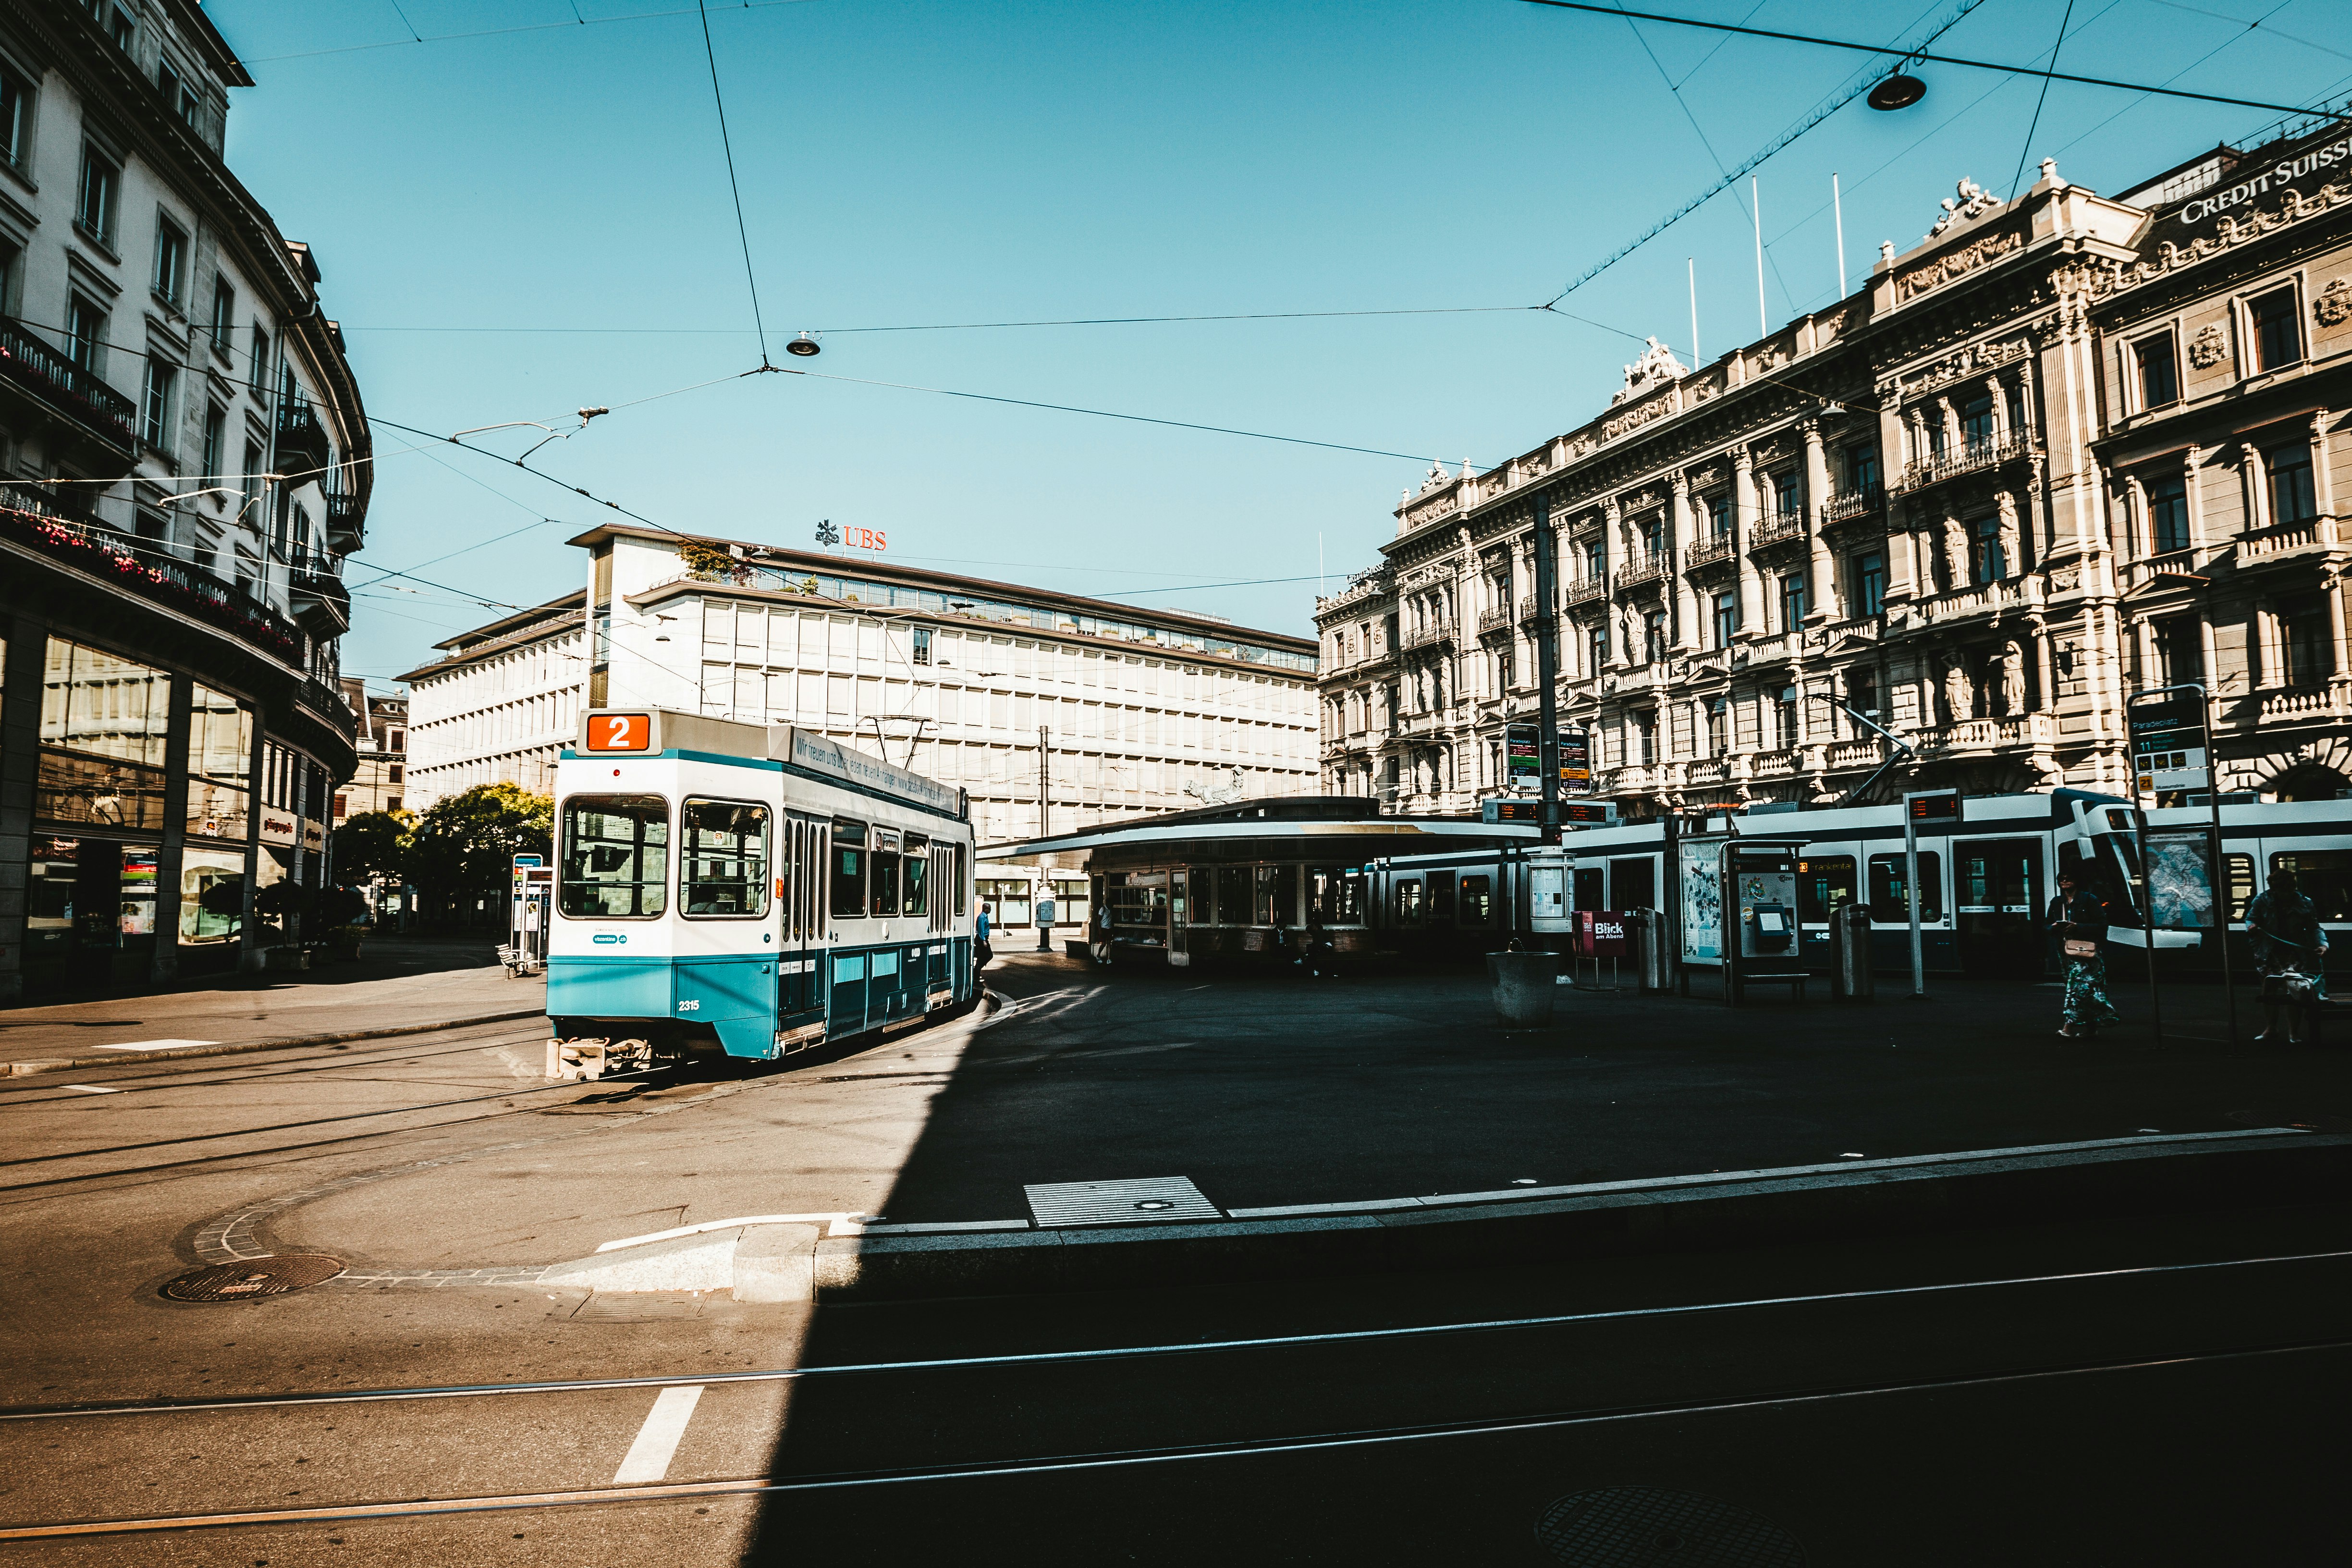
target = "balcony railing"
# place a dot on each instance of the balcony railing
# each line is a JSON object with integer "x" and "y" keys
{"x": 325, "y": 699}
{"x": 346, "y": 522}
{"x": 1647, "y": 568}
{"x": 1493, "y": 616}
{"x": 1707, "y": 551}
{"x": 1843, "y": 506}
{"x": 34, "y": 519}
{"x": 2261, "y": 546}
{"x": 1775, "y": 526}
{"x": 1427, "y": 633}
{"x": 1857, "y": 753}
{"x": 66, "y": 386}
{"x": 1583, "y": 590}
{"x": 1974, "y": 458}
{"x": 322, "y": 605}
{"x": 300, "y": 435}
{"x": 1530, "y": 608}
{"x": 2311, "y": 702}
{"x": 2017, "y": 730}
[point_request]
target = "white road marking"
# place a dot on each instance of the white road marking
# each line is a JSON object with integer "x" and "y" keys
{"x": 158, "y": 1045}
{"x": 515, "y": 1064}
{"x": 727, "y": 1224}
{"x": 88, "y": 1089}
{"x": 649, "y": 1455}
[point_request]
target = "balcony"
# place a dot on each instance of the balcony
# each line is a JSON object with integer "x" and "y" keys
{"x": 1779, "y": 763}
{"x": 322, "y": 605}
{"x": 1530, "y": 609}
{"x": 303, "y": 449}
{"x": 1651, "y": 567}
{"x": 346, "y": 523}
{"x": 2017, "y": 731}
{"x": 1845, "y": 505}
{"x": 1706, "y": 772}
{"x": 39, "y": 521}
{"x": 324, "y": 699}
{"x": 1775, "y": 527}
{"x": 1585, "y": 590}
{"x": 1707, "y": 551}
{"x": 1434, "y": 722}
{"x": 1978, "y": 599}
{"x": 2287, "y": 543}
{"x": 1972, "y": 458}
{"x": 2303, "y": 705}
{"x": 1427, "y": 635}
{"x": 1494, "y": 618}
{"x": 1856, "y": 755}
{"x": 65, "y": 389}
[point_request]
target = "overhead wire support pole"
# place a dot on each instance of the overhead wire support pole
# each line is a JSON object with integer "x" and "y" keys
{"x": 1547, "y": 625}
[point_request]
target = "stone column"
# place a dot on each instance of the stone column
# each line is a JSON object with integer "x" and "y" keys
{"x": 2341, "y": 668}
{"x": 20, "y": 764}
{"x": 2000, "y": 408}
{"x": 2189, "y": 475}
{"x": 1746, "y": 507}
{"x": 251, "y": 953}
{"x": 1824, "y": 606}
{"x": 2251, "y": 476}
{"x": 1682, "y": 532}
{"x": 165, "y": 965}
{"x": 2323, "y": 483}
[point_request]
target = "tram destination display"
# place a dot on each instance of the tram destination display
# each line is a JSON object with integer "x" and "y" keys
{"x": 1522, "y": 756}
{"x": 2170, "y": 750}
{"x": 1575, "y": 761}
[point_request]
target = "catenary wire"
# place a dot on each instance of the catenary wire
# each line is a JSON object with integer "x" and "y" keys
{"x": 502, "y": 32}
{"x": 728, "y": 146}
{"x": 2042, "y": 98}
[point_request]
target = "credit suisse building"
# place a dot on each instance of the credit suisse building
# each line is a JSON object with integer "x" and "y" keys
{"x": 2065, "y": 448}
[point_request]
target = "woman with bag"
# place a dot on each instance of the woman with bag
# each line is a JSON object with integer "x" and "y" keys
{"x": 2079, "y": 917}
{"x": 2291, "y": 946}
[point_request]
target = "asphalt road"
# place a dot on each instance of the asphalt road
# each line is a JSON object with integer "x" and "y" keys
{"x": 1953, "y": 1398}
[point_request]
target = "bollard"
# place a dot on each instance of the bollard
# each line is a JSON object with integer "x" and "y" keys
{"x": 1851, "y": 977}
{"x": 1524, "y": 986}
{"x": 1656, "y": 963}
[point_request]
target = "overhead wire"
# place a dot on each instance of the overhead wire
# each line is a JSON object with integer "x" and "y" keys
{"x": 502, "y": 32}
{"x": 728, "y": 145}
{"x": 2026, "y": 150}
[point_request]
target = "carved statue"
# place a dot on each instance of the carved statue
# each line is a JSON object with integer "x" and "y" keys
{"x": 1955, "y": 553}
{"x": 1968, "y": 200}
{"x": 1959, "y": 698}
{"x": 2012, "y": 561}
{"x": 2013, "y": 679}
{"x": 1657, "y": 365}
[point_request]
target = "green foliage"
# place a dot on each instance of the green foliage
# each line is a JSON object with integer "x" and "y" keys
{"x": 462, "y": 847}
{"x": 373, "y": 844}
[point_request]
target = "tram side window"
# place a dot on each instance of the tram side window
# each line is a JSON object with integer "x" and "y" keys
{"x": 848, "y": 869}
{"x": 1334, "y": 897}
{"x": 1277, "y": 895}
{"x": 1890, "y": 900}
{"x": 615, "y": 856}
{"x": 884, "y": 878}
{"x": 723, "y": 867}
{"x": 1477, "y": 900}
{"x": 1825, "y": 882}
{"x": 2325, "y": 877}
{"x": 2241, "y": 884}
{"x": 1232, "y": 895}
{"x": 1408, "y": 901}
{"x": 917, "y": 898}
{"x": 962, "y": 886}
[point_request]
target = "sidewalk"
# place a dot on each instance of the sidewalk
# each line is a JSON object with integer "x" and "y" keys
{"x": 399, "y": 983}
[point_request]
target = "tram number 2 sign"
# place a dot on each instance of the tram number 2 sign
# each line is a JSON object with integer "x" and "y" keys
{"x": 620, "y": 732}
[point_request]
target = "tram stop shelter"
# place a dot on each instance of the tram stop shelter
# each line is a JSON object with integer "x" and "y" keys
{"x": 1245, "y": 881}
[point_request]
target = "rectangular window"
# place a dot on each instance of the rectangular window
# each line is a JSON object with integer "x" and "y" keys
{"x": 1007, "y": 900}
{"x": 391, "y": 772}
{"x": 1784, "y": 718}
{"x": 1986, "y": 558}
{"x": 86, "y": 335}
{"x": 1232, "y": 895}
{"x": 95, "y": 198}
{"x": 1862, "y": 467}
{"x": 1718, "y": 514}
{"x": 722, "y": 863}
{"x": 260, "y": 369}
{"x": 163, "y": 383}
{"x": 224, "y": 313}
{"x": 1596, "y": 561}
{"x": 2292, "y": 498}
{"x": 2181, "y": 648}
{"x": 922, "y": 644}
{"x": 1976, "y": 420}
{"x": 2159, "y": 371}
{"x": 1726, "y": 618}
{"x": 167, "y": 82}
{"x": 1823, "y": 882}
{"x": 2277, "y": 342}
{"x": 1786, "y": 492}
{"x": 915, "y": 898}
{"x": 1654, "y": 636}
{"x": 16, "y": 118}
{"x": 2310, "y": 652}
{"x": 884, "y": 879}
{"x": 1890, "y": 900}
{"x": 2325, "y": 877}
{"x": 848, "y": 869}
{"x": 615, "y": 856}
{"x": 1870, "y": 584}
{"x": 1596, "y": 649}
{"x": 2167, "y": 513}
{"x": 249, "y": 482}
{"x": 122, "y": 28}
{"x": 1793, "y": 601}
{"x": 216, "y": 438}
{"x": 171, "y": 264}
{"x": 1335, "y": 897}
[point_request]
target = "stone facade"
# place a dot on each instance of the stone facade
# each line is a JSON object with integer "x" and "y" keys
{"x": 2063, "y": 448}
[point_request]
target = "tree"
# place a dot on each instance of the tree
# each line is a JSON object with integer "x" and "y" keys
{"x": 461, "y": 850}
{"x": 373, "y": 844}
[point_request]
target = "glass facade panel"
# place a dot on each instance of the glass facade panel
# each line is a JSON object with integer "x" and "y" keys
{"x": 212, "y": 896}
{"x": 220, "y": 751}
{"x": 104, "y": 721}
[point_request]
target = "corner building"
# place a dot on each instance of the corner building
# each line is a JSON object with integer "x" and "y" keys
{"x": 184, "y": 466}
{"x": 2065, "y": 448}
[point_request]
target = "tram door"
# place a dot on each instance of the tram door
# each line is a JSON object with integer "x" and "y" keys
{"x": 799, "y": 993}
{"x": 1997, "y": 896}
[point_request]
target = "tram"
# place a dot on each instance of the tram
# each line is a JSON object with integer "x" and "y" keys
{"x": 731, "y": 888}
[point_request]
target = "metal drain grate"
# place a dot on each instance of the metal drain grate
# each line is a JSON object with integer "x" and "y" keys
{"x": 253, "y": 1279}
{"x": 1648, "y": 1527}
{"x": 1137, "y": 1202}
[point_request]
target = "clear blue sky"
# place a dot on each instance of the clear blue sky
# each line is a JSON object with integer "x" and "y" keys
{"x": 907, "y": 161}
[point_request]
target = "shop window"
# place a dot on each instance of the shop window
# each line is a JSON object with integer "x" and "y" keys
{"x": 1890, "y": 897}
{"x": 104, "y": 723}
{"x": 212, "y": 896}
{"x": 615, "y": 856}
{"x": 1007, "y": 900}
{"x": 722, "y": 866}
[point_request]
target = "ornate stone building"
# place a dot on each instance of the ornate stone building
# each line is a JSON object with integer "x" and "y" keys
{"x": 2063, "y": 448}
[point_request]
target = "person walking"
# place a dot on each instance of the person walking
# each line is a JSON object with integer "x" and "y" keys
{"x": 2290, "y": 949}
{"x": 2079, "y": 917}
{"x": 983, "y": 954}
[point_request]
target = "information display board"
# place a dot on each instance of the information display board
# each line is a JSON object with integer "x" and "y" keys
{"x": 1522, "y": 756}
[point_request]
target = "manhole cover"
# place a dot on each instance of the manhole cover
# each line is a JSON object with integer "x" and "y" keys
{"x": 1648, "y": 1527}
{"x": 253, "y": 1279}
{"x": 1116, "y": 1203}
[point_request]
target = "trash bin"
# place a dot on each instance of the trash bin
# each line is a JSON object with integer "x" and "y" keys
{"x": 1851, "y": 979}
{"x": 1525, "y": 985}
{"x": 1656, "y": 963}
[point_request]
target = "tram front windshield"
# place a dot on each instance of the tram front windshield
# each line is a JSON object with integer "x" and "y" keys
{"x": 615, "y": 856}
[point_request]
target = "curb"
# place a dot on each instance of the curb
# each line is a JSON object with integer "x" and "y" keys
{"x": 279, "y": 1043}
{"x": 1838, "y": 1206}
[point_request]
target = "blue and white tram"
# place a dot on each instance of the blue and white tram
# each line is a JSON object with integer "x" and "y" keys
{"x": 728, "y": 888}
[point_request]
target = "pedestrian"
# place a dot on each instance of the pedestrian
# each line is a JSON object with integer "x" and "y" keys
{"x": 2290, "y": 950}
{"x": 2079, "y": 917}
{"x": 982, "y": 953}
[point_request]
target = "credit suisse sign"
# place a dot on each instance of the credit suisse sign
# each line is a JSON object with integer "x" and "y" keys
{"x": 2287, "y": 172}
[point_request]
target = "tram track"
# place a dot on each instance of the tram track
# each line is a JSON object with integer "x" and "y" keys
{"x": 1103, "y": 1459}
{"x": 36, "y": 1090}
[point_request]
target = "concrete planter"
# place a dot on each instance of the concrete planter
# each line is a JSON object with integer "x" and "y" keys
{"x": 1524, "y": 986}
